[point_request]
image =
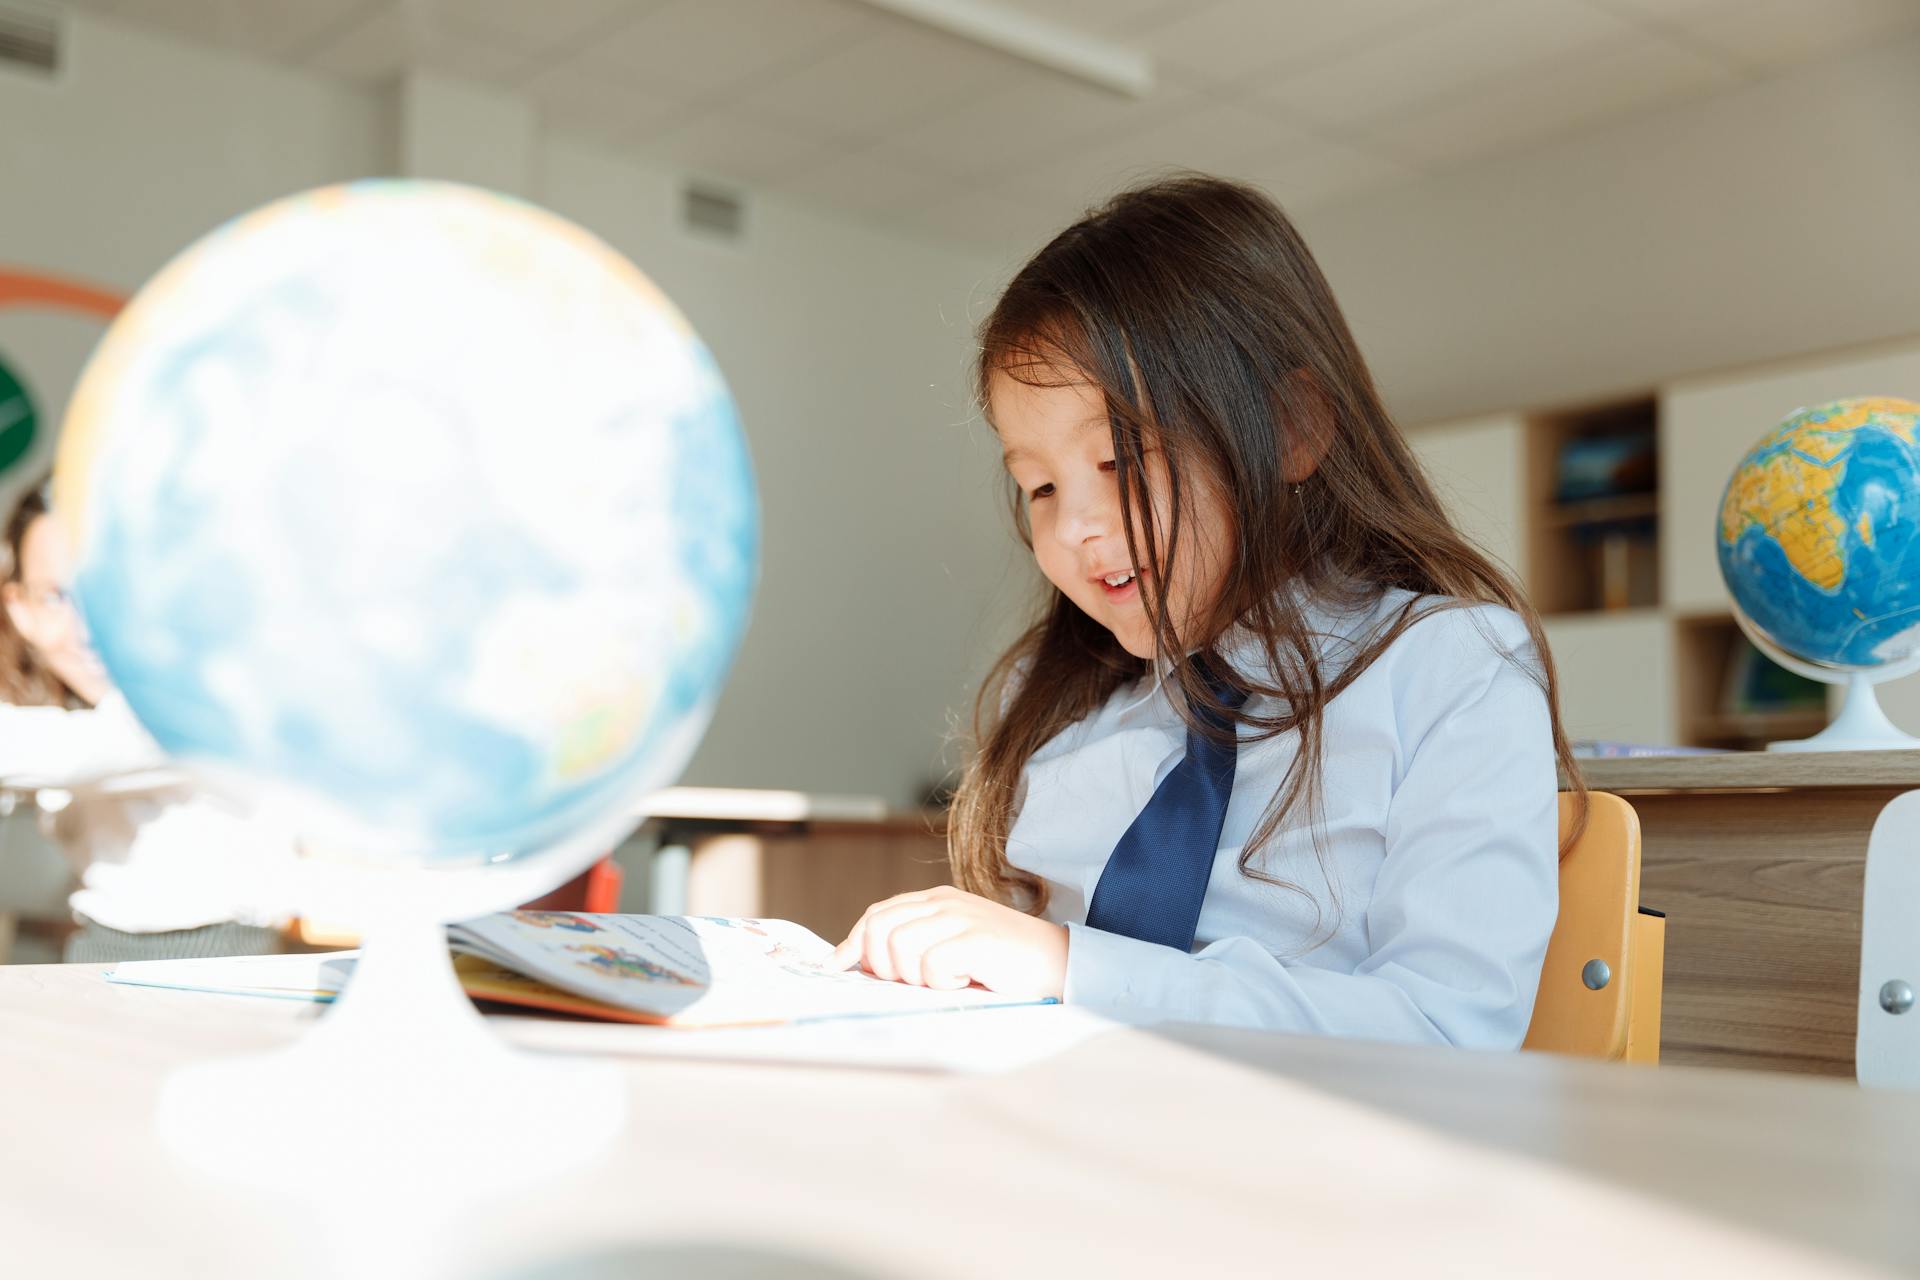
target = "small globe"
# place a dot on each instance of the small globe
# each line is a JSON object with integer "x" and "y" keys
{"x": 416, "y": 508}
{"x": 1819, "y": 537}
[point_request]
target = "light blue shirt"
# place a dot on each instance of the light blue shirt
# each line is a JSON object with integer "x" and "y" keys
{"x": 1429, "y": 919}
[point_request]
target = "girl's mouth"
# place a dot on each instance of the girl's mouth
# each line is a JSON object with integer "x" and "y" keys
{"x": 1120, "y": 587}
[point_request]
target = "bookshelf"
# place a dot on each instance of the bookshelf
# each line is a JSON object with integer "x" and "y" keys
{"x": 1625, "y": 571}
{"x": 1593, "y": 536}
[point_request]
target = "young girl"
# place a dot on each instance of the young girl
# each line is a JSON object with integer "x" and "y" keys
{"x": 163, "y": 872}
{"x": 1280, "y": 750}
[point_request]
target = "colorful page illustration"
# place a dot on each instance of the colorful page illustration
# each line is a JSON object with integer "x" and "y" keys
{"x": 689, "y": 970}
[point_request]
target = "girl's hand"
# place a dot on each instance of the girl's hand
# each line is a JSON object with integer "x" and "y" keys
{"x": 945, "y": 939}
{"x": 80, "y": 669}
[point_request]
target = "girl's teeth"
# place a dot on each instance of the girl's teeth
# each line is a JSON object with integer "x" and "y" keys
{"x": 1119, "y": 579}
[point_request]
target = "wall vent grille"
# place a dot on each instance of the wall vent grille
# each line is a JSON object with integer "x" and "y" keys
{"x": 712, "y": 211}
{"x": 29, "y": 39}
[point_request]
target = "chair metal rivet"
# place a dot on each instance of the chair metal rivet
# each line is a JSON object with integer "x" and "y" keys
{"x": 1896, "y": 996}
{"x": 1596, "y": 974}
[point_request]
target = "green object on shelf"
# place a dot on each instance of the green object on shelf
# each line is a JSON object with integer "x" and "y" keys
{"x": 1757, "y": 685}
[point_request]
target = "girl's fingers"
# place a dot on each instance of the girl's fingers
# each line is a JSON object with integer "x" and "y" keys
{"x": 948, "y": 965}
{"x": 851, "y": 948}
{"x": 909, "y": 942}
{"x": 848, "y": 952}
{"x": 880, "y": 926}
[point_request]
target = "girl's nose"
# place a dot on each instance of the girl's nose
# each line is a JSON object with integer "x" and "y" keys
{"x": 1085, "y": 516}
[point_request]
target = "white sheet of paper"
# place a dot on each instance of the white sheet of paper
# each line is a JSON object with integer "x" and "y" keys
{"x": 316, "y": 976}
{"x": 987, "y": 1040}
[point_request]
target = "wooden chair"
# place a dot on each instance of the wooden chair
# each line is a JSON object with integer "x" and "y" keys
{"x": 1600, "y": 987}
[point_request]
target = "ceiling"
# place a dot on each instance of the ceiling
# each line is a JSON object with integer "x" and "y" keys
{"x": 838, "y": 103}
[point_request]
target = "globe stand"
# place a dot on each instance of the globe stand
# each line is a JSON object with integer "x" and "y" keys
{"x": 399, "y": 1102}
{"x": 1861, "y": 724}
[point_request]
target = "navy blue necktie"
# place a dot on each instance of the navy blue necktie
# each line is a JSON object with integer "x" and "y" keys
{"x": 1153, "y": 883}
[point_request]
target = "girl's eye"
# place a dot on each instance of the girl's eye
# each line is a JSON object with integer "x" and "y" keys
{"x": 1044, "y": 491}
{"x": 1107, "y": 465}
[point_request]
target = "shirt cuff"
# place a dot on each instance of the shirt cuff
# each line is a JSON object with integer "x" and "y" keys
{"x": 1114, "y": 971}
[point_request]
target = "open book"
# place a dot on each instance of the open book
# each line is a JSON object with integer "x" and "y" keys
{"x": 682, "y": 971}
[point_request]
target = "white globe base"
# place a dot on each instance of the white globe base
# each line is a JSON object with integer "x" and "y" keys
{"x": 400, "y": 1085}
{"x": 1860, "y": 726}
{"x": 400, "y": 1110}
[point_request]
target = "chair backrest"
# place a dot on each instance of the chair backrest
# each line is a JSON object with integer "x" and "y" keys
{"x": 1588, "y": 986}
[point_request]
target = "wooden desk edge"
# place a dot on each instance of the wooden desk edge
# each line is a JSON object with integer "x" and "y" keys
{"x": 1755, "y": 771}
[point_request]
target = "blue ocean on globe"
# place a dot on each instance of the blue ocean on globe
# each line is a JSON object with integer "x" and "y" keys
{"x": 1819, "y": 534}
{"x": 417, "y": 505}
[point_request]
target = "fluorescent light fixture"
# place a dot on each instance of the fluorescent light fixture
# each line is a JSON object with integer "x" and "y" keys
{"x": 1109, "y": 66}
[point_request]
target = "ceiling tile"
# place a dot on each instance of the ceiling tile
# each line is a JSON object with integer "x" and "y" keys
{"x": 862, "y": 183}
{"x": 1306, "y": 171}
{"x": 1770, "y": 34}
{"x": 1105, "y": 17}
{"x": 721, "y": 45}
{"x": 724, "y": 145}
{"x": 898, "y": 74}
{"x": 388, "y": 40}
{"x": 1008, "y": 227}
{"x": 268, "y": 28}
{"x": 536, "y": 28}
{"x": 453, "y": 47}
{"x": 1223, "y": 138}
{"x": 605, "y": 108}
{"x": 1230, "y": 40}
{"x": 1462, "y": 50}
{"x": 1022, "y": 120}
{"x": 375, "y": 47}
{"x": 1552, "y": 97}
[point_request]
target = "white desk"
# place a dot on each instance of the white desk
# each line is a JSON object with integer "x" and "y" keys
{"x": 1190, "y": 1153}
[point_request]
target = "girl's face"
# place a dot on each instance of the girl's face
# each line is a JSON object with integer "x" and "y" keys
{"x": 1058, "y": 447}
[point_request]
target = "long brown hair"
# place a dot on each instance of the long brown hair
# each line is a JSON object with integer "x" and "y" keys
{"x": 1196, "y": 310}
{"x": 23, "y": 680}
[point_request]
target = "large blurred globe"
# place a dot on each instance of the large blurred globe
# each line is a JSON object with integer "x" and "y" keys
{"x": 1820, "y": 536}
{"x": 419, "y": 507}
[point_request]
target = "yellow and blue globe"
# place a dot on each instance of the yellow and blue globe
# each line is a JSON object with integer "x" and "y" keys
{"x": 418, "y": 506}
{"x": 1819, "y": 534}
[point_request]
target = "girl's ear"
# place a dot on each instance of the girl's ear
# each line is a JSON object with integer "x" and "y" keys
{"x": 1306, "y": 418}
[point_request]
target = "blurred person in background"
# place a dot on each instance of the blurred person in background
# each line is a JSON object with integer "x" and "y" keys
{"x": 164, "y": 871}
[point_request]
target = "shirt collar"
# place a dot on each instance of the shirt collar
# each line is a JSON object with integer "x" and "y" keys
{"x": 1339, "y": 618}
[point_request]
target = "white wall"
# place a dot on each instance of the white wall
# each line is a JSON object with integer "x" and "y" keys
{"x": 846, "y": 349}
{"x": 844, "y": 345}
{"x": 1770, "y": 221}
{"x": 1478, "y": 469}
{"x": 135, "y": 149}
